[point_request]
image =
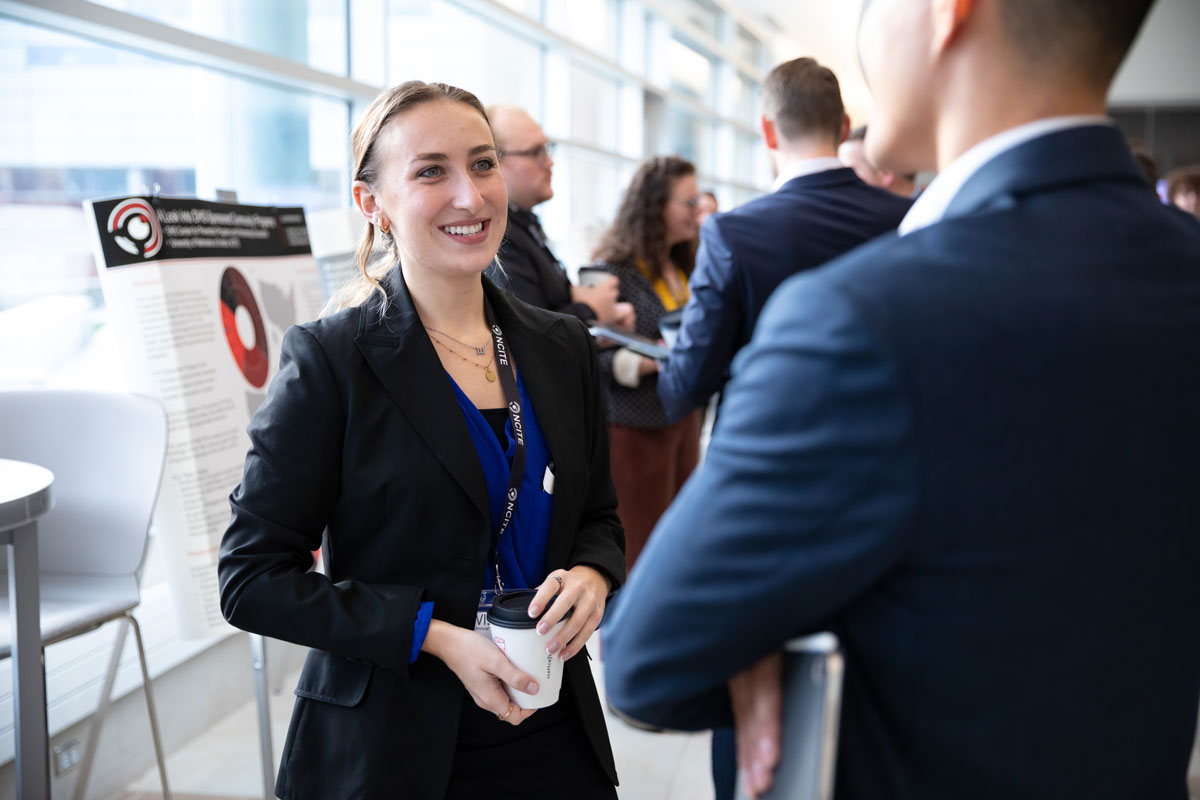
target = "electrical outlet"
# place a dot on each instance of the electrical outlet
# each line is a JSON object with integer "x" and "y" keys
{"x": 66, "y": 757}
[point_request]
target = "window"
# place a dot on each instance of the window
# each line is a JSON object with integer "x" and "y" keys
{"x": 590, "y": 23}
{"x": 439, "y": 41}
{"x": 690, "y": 70}
{"x": 593, "y": 108}
{"x": 311, "y": 32}
{"x": 703, "y": 14}
{"x": 690, "y": 137}
{"x": 150, "y": 124}
{"x": 747, "y": 47}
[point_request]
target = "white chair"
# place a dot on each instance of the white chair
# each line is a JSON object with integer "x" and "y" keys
{"x": 107, "y": 453}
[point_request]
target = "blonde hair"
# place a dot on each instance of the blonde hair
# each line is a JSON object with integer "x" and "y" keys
{"x": 367, "y": 166}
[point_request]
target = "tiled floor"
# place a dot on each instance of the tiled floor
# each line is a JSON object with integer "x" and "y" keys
{"x": 223, "y": 762}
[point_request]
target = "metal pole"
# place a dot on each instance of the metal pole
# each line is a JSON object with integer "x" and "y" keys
{"x": 258, "y": 656}
{"x": 28, "y": 670}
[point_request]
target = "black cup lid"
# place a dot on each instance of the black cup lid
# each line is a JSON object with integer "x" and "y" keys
{"x": 511, "y": 609}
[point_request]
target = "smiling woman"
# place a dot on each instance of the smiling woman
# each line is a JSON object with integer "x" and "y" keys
{"x": 444, "y": 474}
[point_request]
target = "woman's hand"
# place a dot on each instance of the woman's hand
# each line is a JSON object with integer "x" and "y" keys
{"x": 648, "y": 366}
{"x": 583, "y": 589}
{"x": 482, "y": 668}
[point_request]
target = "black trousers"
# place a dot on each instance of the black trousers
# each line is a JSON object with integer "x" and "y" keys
{"x": 547, "y": 756}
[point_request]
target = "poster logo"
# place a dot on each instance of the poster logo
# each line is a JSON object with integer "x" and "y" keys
{"x": 134, "y": 227}
{"x": 235, "y": 294}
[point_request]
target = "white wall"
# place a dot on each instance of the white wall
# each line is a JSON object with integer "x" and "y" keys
{"x": 1164, "y": 66}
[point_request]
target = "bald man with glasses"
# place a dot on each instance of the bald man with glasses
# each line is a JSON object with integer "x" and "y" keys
{"x": 528, "y": 267}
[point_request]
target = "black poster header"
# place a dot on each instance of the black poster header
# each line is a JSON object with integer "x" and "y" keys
{"x": 135, "y": 230}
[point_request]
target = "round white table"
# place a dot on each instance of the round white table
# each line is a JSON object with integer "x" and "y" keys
{"x": 25, "y": 495}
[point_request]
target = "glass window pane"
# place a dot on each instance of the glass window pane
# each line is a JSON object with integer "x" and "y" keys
{"x": 591, "y": 23}
{"x": 704, "y": 14}
{"x": 495, "y": 64}
{"x": 747, "y": 46}
{"x": 311, "y": 32}
{"x": 530, "y": 8}
{"x": 593, "y": 108}
{"x": 691, "y": 71}
{"x": 690, "y": 138}
{"x": 587, "y": 188}
{"x": 745, "y": 99}
{"x": 150, "y": 122}
{"x": 746, "y": 162}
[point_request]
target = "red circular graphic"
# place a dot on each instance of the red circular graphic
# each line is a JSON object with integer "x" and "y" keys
{"x": 235, "y": 293}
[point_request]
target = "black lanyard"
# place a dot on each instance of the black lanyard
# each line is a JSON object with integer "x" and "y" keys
{"x": 516, "y": 415}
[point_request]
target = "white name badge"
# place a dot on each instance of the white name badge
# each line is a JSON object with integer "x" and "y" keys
{"x": 482, "y": 626}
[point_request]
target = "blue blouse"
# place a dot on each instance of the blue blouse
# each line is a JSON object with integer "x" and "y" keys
{"x": 522, "y": 551}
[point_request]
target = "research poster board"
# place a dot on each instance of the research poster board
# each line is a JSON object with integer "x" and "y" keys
{"x": 199, "y": 295}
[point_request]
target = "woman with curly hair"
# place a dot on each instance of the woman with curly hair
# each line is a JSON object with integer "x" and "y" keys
{"x": 651, "y": 248}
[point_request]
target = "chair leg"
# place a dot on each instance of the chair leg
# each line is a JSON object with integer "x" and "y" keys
{"x": 158, "y": 750}
{"x": 93, "y": 736}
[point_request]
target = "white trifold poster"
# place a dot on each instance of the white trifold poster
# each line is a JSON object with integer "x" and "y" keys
{"x": 199, "y": 295}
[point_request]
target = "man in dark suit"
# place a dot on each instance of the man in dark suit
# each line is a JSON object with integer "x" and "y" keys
{"x": 969, "y": 449}
{"x": 530, "y": 269}
{"x": 818, "y": 211}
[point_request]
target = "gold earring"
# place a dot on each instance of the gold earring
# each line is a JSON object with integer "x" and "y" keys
{"x": 383, "y": 227}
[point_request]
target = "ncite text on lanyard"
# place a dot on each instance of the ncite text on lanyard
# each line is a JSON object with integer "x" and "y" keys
{"x": 512, "y": 399}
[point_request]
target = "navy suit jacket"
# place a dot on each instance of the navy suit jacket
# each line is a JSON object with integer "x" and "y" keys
{"x": 746, "y": 253}
{"x": 974, "y": 454}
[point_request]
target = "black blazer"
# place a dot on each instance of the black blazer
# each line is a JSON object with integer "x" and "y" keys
{"x": 637, "y": 407}
{"x": 530, "y": 270}
{"x": 361, "y": 433}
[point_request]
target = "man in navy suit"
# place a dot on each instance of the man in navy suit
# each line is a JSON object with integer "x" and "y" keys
{"x": 819, "y": 210}
{"x": 971, "y": 450}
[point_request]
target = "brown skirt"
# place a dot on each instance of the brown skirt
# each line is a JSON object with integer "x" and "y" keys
{"x": 648, "y": 469}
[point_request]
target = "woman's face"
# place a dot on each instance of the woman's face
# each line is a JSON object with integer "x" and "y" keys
{"x": 680, "y": 217}
{"x": 439, "y": 188}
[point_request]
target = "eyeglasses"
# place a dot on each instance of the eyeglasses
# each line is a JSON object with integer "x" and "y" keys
{"x": 545, "y": 149}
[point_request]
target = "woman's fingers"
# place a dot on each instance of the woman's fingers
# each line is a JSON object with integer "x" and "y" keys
{"x": 549, "y": 588}
{"x": 521, "y": 681}
{"x": 519, "y": 715}
{"x": 576, "y": 642}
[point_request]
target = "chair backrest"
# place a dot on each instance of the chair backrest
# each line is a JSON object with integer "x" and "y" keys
{"x": 107, "y": 453}
{"x": 812, "y": 709}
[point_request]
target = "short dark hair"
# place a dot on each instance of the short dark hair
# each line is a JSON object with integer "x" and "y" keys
{"x": 1090, "y": 37}
{"x": 803, "y": 99}
{"x": 1144, "y": 157}
{"x": 1184, "y": 179}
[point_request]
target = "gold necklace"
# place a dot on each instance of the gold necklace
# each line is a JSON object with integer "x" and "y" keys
{"x": 478, "y": 350}
{"x": 487, "y": 368}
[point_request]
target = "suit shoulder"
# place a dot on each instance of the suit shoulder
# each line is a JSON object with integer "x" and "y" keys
{"x": 331, "y": 327}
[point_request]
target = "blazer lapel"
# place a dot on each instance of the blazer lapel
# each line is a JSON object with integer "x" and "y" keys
{"x": 546, "y": 366}
{"x": 400, "y": 354}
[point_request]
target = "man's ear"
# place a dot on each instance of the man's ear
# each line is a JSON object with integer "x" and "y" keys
{"x": 949, "y": 17}
{"x": 886, "y": 178}
{"x": 844, "y": 133}
{"x": 768, "y": 132}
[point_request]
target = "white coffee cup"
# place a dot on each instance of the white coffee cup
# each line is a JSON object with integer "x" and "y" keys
{"x": 515, "y": 633}
{"x": 595, "y": 276}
